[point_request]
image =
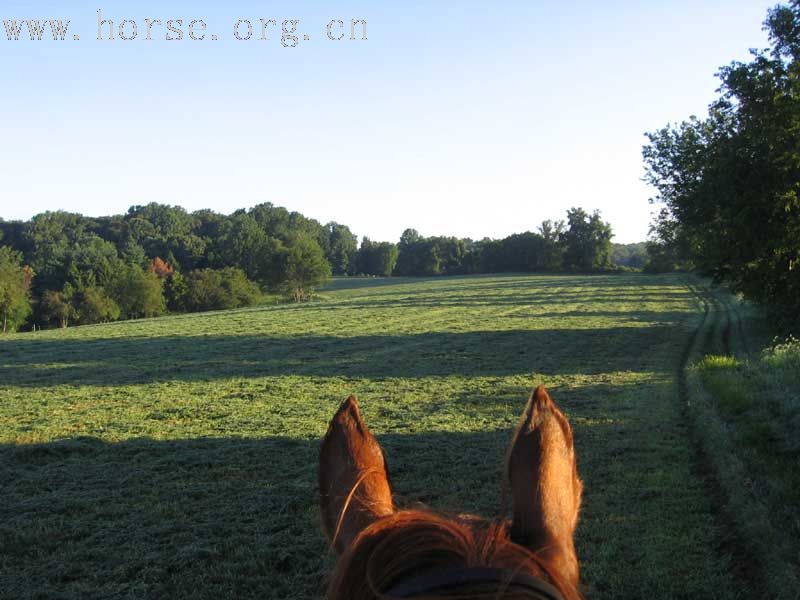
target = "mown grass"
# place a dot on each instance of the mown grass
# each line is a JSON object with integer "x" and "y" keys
{"x": 176, "y": 457}
{"x": 750, "y": 409}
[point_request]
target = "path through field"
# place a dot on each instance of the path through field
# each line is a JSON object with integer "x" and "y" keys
{"x": 176, "y": 457}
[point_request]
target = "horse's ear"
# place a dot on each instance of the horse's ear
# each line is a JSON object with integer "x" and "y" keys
{"x": 545, "y": 488}
{"x": 353, "y": 477}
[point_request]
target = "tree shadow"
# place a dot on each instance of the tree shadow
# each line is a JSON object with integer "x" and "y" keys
{"x": 201, "y": 518}
{"x": 551, "y": 282}
{"x": 29, "y": 361}
{"x": 237, "y": 517}
{"x": 204, "y": 518}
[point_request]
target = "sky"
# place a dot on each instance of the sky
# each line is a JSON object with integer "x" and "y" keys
{"x": 472, "y": 119}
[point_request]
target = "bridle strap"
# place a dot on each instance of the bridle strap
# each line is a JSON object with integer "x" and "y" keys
{"x": 507, "y": 579}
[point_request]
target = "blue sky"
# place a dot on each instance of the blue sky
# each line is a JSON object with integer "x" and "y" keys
{"x": 456, "y": 118}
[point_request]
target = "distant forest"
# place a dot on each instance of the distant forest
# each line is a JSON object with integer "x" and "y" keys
{"x": 62, "y": 268}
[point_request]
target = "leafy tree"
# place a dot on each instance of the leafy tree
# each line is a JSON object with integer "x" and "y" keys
{"x": 417, "y": 255}
{"x": 243, "y": 243}
{"x": 305, "y": 267}
{"x": 414, "y": 257}
{"x": 96, "y": 306}
{"x": 138, "y": 293}
{"x": 15, "y": 282}
{"x": 12, "y": 234}
{"x": 161, "y": 268}
{"x": 57, "y": 307}
{"x": 218, "y": 289}
{"x": 663, "y": 258}
{"x": 551, "y": 257}
{"x": 342, "y": 249}
{"x": 175, "y": 291}
{"x": 133, "y": 254}
{"x": 587, "y": 241}
{"x": 279, "y": 223}
{"x": 376, "y": 258}
{"x": 727, "y": 184}
{"x": 634, "y": 256}
{"x": 51, "y": 239}
{"x": 167, "y": 231}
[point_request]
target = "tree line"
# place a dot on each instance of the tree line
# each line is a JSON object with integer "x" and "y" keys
{"x": 728, "y": 183}
{"x": 62, "y": 268}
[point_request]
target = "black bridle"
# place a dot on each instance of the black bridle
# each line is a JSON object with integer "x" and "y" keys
{"x": 493, "y": 580}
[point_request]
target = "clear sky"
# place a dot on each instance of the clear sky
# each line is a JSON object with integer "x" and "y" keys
{"x": 457, "y": 118}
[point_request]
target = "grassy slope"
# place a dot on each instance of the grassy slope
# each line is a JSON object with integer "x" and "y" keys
{"x": 177, "y": 456}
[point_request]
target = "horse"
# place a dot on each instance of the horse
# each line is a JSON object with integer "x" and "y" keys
{"x": 386, "y": 553}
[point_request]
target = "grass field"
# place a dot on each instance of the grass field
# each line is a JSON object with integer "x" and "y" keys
{"x": 176, "y": 457}
{"x": 744, "y": 401}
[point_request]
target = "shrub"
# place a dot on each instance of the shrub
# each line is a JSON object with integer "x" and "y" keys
{"x": 218, "y": 289}
{"x": 97, "y": 307}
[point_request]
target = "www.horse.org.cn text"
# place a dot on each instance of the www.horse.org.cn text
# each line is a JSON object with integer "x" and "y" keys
{"x": 289, "y": 33}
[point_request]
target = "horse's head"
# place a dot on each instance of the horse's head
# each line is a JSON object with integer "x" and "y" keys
{"x": 390, "y": 553}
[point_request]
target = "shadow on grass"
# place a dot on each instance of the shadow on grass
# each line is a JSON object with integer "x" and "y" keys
{"x": 213, "y": 518}
{"x": 116, "y": 361}
{"x": 204, "y": 518}
{"x": 509, "y": 281}
{"x": 464, "y": 300}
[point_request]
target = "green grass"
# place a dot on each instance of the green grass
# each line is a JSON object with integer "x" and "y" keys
{"x": 749, "y": 407}
{"x": 176, "y": 457}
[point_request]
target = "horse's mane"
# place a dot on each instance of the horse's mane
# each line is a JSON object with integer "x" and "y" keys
{"x": 409, "y": 543}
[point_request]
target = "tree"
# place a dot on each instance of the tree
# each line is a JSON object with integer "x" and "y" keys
{"x": 587, "y": 241}
{"x": 218, "y": 289}
{"x": 377, "y": 258}
{"x": 306, "y": 267}
{"x": 15, "y": 283}
{"x": 166, "y": 231}
{"x": 633, "y": 256}
{"x": 96, "y": 306}
{"x": 161, "y": 268}
{"x": 727, "y": 184}
{"x": 138, "y": 293}
{"x": 57, "y": 307}
{"x": 239, "y": 244}
{"x": 175, "y": 291}
{"x": 551, "y": 257}
{"x": 343, "y": 249}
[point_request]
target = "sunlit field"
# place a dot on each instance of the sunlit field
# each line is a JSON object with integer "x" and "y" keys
{"x": 176, "y": 457}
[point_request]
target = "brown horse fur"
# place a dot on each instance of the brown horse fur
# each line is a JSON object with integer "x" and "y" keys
{"x": 380, "y": 546}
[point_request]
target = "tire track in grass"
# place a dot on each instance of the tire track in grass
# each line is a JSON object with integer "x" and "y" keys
{"x": 745, "y": 569}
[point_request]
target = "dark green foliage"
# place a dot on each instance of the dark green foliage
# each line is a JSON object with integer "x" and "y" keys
{"x": 587, "y": 241}
{"x": 242, "y": 242}
{"x": 342, "y": 249}
{"x": 276, "y": 248}
{"x": 551, "y": 256}
{"x": 305, "y": 267}
{"x": 664, "y": 258}
{"x": 634, "y": 256}
{"x": 584, "y": 246}
{"x": 139, "y": 293}
{"x": 522, "y": 252}
{"x": 166, "y": 231}
{"x": 95, "y": 306}
{"x": 56, "y": 245}
{"x": 217, "y": 289}
{"x": 728, "y": 183}
{"x": 432, "y": 256}
{"x": 15, "y": 282}
{"x": 56, "y": 307}
{"x": 175, "y": 290}
{"x": 377, "y": 258}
